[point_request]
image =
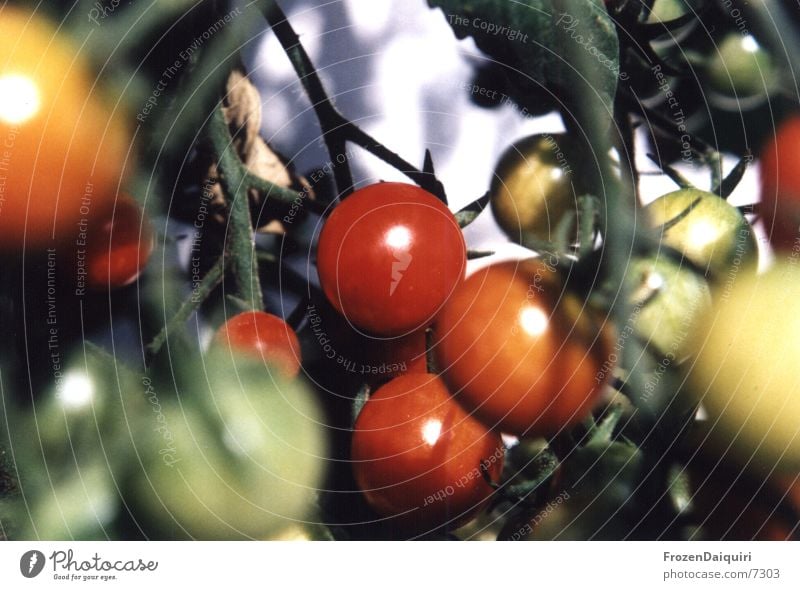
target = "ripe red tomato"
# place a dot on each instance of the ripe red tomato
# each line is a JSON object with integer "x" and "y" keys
{"x": 780, "y": 186}
{"x": 62, "y": 147}
{"x": 264, "y": 336}
{"x": 118, "y": 245}
{"x": 521, "y": 351}
{"x": 389, "y": 256}
{"x": 417, "y": 455}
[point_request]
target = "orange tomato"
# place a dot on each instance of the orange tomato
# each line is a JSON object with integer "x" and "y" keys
{"x": 62, "y": 145}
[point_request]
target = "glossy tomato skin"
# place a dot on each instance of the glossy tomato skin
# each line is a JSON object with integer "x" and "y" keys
{"x": 262, "y": 336}
{"x": 741, "y": 69}
{"x": 64, "y": 147}
{"x": 780, "y": 186}
{"x": 668, "y": 301}
{"x": 417, "y": 455}
{"x": 536, "y": 184}
{"x": 520, "y": 350}
{"x": 119, "y": 243}
{"x": 710, "y": 232}
{"x": 389, "y": 256}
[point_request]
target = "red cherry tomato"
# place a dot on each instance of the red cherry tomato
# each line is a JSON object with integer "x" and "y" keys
{"x": 264, "y": 336}
{"x": 417, "y": 455}
{"x": 62, "y": 146}
{"x": 118, "y": 245}
{"x": 389, "y": 256}
{"x": 780, "y": 186}
{"x": 522, "y": 352}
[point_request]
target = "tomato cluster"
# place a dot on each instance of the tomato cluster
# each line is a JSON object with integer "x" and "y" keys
{"x": 518, "y": 353}
{"x": 463, "y": 375}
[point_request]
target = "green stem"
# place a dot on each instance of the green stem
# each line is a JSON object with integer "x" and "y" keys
{"x": 210, "y": 281}
{"x": 240, "y": 243}
{"x": 280, "y": 193}
{"x": 271, "y": 190}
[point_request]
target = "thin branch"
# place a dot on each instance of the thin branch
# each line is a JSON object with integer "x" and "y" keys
{"x": 336, "y": 129}
{"x": 210, "y": 281}
{"x": 281, "y": 193}
{"x": 329, "y": 118}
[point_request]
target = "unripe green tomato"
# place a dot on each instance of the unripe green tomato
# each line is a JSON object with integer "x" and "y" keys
{"x": 746, "y": 374}
{"x": 535, "y": 185}
{"x": 668, "y": 299}
{"x": 712, "y": 233}
{"x": 80, "y": 504}
{"x": 741, "y": 68}
{"x": 244, "y": 463}
{"x": 69, "y": 449}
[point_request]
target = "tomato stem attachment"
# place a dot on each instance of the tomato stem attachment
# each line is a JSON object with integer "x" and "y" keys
{"x": 725, "y": 186}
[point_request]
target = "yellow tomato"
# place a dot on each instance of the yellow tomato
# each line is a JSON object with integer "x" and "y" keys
{"x": 746, "y": 372}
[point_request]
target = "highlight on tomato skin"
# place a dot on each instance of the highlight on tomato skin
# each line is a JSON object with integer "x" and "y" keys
{"x": 63, "y": 145}
{"x": 261, "y": 336}
{"x": 419, "y": 457}
{"x": 536, "y": 184}
{"x": 389, "y": 256}
{"x": 526, "y": 355}
{"x": 706, "y": 229}
{"x": 119, "y": 244}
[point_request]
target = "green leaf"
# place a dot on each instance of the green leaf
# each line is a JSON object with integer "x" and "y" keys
{"x": 529, "y": 39}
